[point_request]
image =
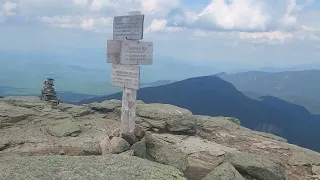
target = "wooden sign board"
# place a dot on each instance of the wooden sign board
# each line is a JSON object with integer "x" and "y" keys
{"x": 126, "y": 76}
{"x": 128, "y": 27}
{"x": 113, "y": 51}
{"x": 136, "y": 53}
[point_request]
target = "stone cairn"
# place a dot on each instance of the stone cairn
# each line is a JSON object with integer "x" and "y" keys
{"x": 48, "y": 93}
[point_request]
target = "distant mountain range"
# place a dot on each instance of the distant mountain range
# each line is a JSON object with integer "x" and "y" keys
{"x": 85, "y": 71}
{"x": 299, "y": 87}
{"x": 302, "y": 67}
{"x": 213, "y": 96}
{"x": 81, "y": 71}
{"x": 156, "y": 83}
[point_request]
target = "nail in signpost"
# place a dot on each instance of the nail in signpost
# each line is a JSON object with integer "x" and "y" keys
{"x": 126, "y": 53}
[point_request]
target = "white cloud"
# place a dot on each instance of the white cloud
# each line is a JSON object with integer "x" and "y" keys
{"x": 44, "y": 3}
{"x": 238, "y": 14}
{"x": 94, "y": 24}
{"x": 160, "y": 25}
{"x": 60, "y": 21}
{"x": 314, "y": 37}
{"x": 291, "y": 15}
{"x": 122, "y": 6}
{"x": 8, "y": 9}
{"x": 222, "y": 15}
{"x": 310, "y": 33}
{"x": 99, "y": 4}
{"x": 243, "y": 16}
{"x": 87, "y": 24}
{"x": 160, "y": 7}
{"x": 199, "y": 33}
{"x": 253, "y": 21}
{"x": 309, "y": 28}
{"x": 9, "y": 6}
{"x": 273, "y": 37}
{"x": 80, "y": 2}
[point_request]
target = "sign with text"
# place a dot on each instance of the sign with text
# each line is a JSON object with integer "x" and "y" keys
{"x": 128, "y": 27}
{"x": 136, "y": 52}
{"x": 126, "y": 76}
{"x": 113, "y": 51}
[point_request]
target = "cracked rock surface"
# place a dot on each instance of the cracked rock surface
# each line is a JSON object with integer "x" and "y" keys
{"x": 76, "y": 140}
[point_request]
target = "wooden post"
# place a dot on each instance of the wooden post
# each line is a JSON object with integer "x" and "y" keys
{"x": 126, "y": 61}
{"x": 129, "y": 97}
{"x": 128, "y": 110}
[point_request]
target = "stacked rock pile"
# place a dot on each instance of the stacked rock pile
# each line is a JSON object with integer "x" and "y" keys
{"x": 48, "y": 93}
{"x": 133, "y": 144}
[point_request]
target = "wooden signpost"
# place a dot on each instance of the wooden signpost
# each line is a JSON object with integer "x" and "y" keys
{"x": 126, "y": 53}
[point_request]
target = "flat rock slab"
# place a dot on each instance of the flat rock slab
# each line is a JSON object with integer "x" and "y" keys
{"x": 161, "y": 111}
{"x": 25, "y": 101}
{"x": 196, "y": 144}
{"x": 256, "y": 166}
{"x": 270, "y": 136}
{"x": 105, "y": 106}
{"x": 302, "y": 156}
{"x": 204, "y": 160}
{"x": 208, "y": 123}
{"x": 164, "y": 153}
{"x": 316, "y": 170}
{"x": 224, "y": 172}
{"x": 64, "y": 129}
{"x": 13, "y": 114}
{"x": 190, "y": 145}
{"x": 78, "y": 111}
{"x": 110, "y": 167}
{"x": 167, "y": 117}
{"x": 268, "y": 145}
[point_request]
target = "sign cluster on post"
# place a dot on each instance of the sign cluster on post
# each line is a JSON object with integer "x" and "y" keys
{"x": 126, "y": 52}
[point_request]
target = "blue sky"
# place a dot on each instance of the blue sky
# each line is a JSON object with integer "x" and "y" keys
{"x": 253, "y": 33}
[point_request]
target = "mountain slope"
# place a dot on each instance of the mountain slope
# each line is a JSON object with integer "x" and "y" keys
{"x": 300, "y": 87}
{"x": 213, "y": 96}
{"x": 156, "y": 83}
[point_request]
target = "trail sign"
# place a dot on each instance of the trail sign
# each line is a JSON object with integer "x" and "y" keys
{"x": 126, "y": 53}
{"x": 126, "y": 76}
{"x": 128, "y": 27}
{"x": 113, "y": 51}
{"x": 136, "y": 53}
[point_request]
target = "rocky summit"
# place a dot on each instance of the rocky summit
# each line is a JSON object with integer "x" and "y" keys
{"x": 40, "y": 140}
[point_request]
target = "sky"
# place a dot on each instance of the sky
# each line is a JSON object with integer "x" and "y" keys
{"x": 253, "y": 33}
